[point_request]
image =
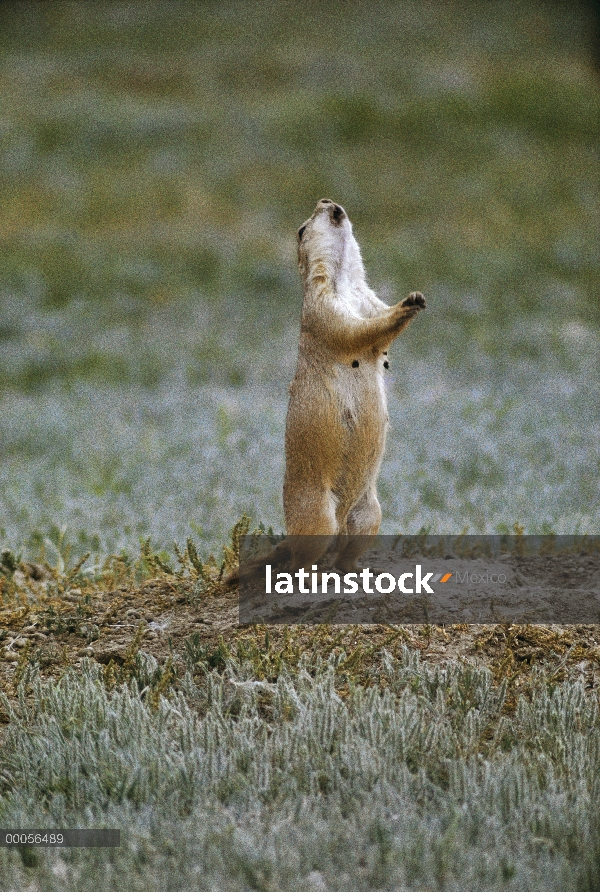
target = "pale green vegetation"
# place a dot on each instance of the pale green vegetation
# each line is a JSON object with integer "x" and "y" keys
{"x": 156, "y": 160}
{"x": 238, "y": 783}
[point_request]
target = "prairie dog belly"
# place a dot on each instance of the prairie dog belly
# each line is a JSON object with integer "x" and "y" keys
{"x": 363, "y": 423}
{"x": 336, "y": 425}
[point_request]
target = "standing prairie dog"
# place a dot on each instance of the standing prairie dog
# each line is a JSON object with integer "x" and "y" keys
{"x": 337, "y": 416}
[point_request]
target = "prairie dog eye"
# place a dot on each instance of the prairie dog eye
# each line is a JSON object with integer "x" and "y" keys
{"x": 301, "y": 232}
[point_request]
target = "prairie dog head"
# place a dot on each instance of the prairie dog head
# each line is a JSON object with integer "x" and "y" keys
{"x": 327, "y": 248}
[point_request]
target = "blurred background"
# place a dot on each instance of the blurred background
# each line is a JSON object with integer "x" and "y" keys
{"x": 156, "y": 160}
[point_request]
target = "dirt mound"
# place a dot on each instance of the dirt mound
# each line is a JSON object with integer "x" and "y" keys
{"x": 185, "y": 630}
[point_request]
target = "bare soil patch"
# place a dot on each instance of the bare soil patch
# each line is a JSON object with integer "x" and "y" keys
{"x": 164, "y": 617}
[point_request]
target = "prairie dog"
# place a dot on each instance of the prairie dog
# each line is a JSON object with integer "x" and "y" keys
{"x": 337, "y": 415}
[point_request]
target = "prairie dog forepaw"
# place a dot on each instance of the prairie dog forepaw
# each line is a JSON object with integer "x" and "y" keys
{"x": 415, "y": 299}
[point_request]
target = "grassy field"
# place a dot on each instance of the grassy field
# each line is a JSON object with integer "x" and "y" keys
{"x": 156, "y": 160}
{"x": 240, "y": 784}
{"x": 266, "y": 758}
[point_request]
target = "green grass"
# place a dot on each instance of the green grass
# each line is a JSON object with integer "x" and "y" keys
{"x": 428, "y": 784}
{"x": 155, "y": 163}
{"x": 156, "y": 160}
{"x": 162, "y": 152}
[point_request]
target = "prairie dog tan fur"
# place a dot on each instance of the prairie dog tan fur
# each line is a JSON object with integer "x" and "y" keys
{"x": 337, "y": 415}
